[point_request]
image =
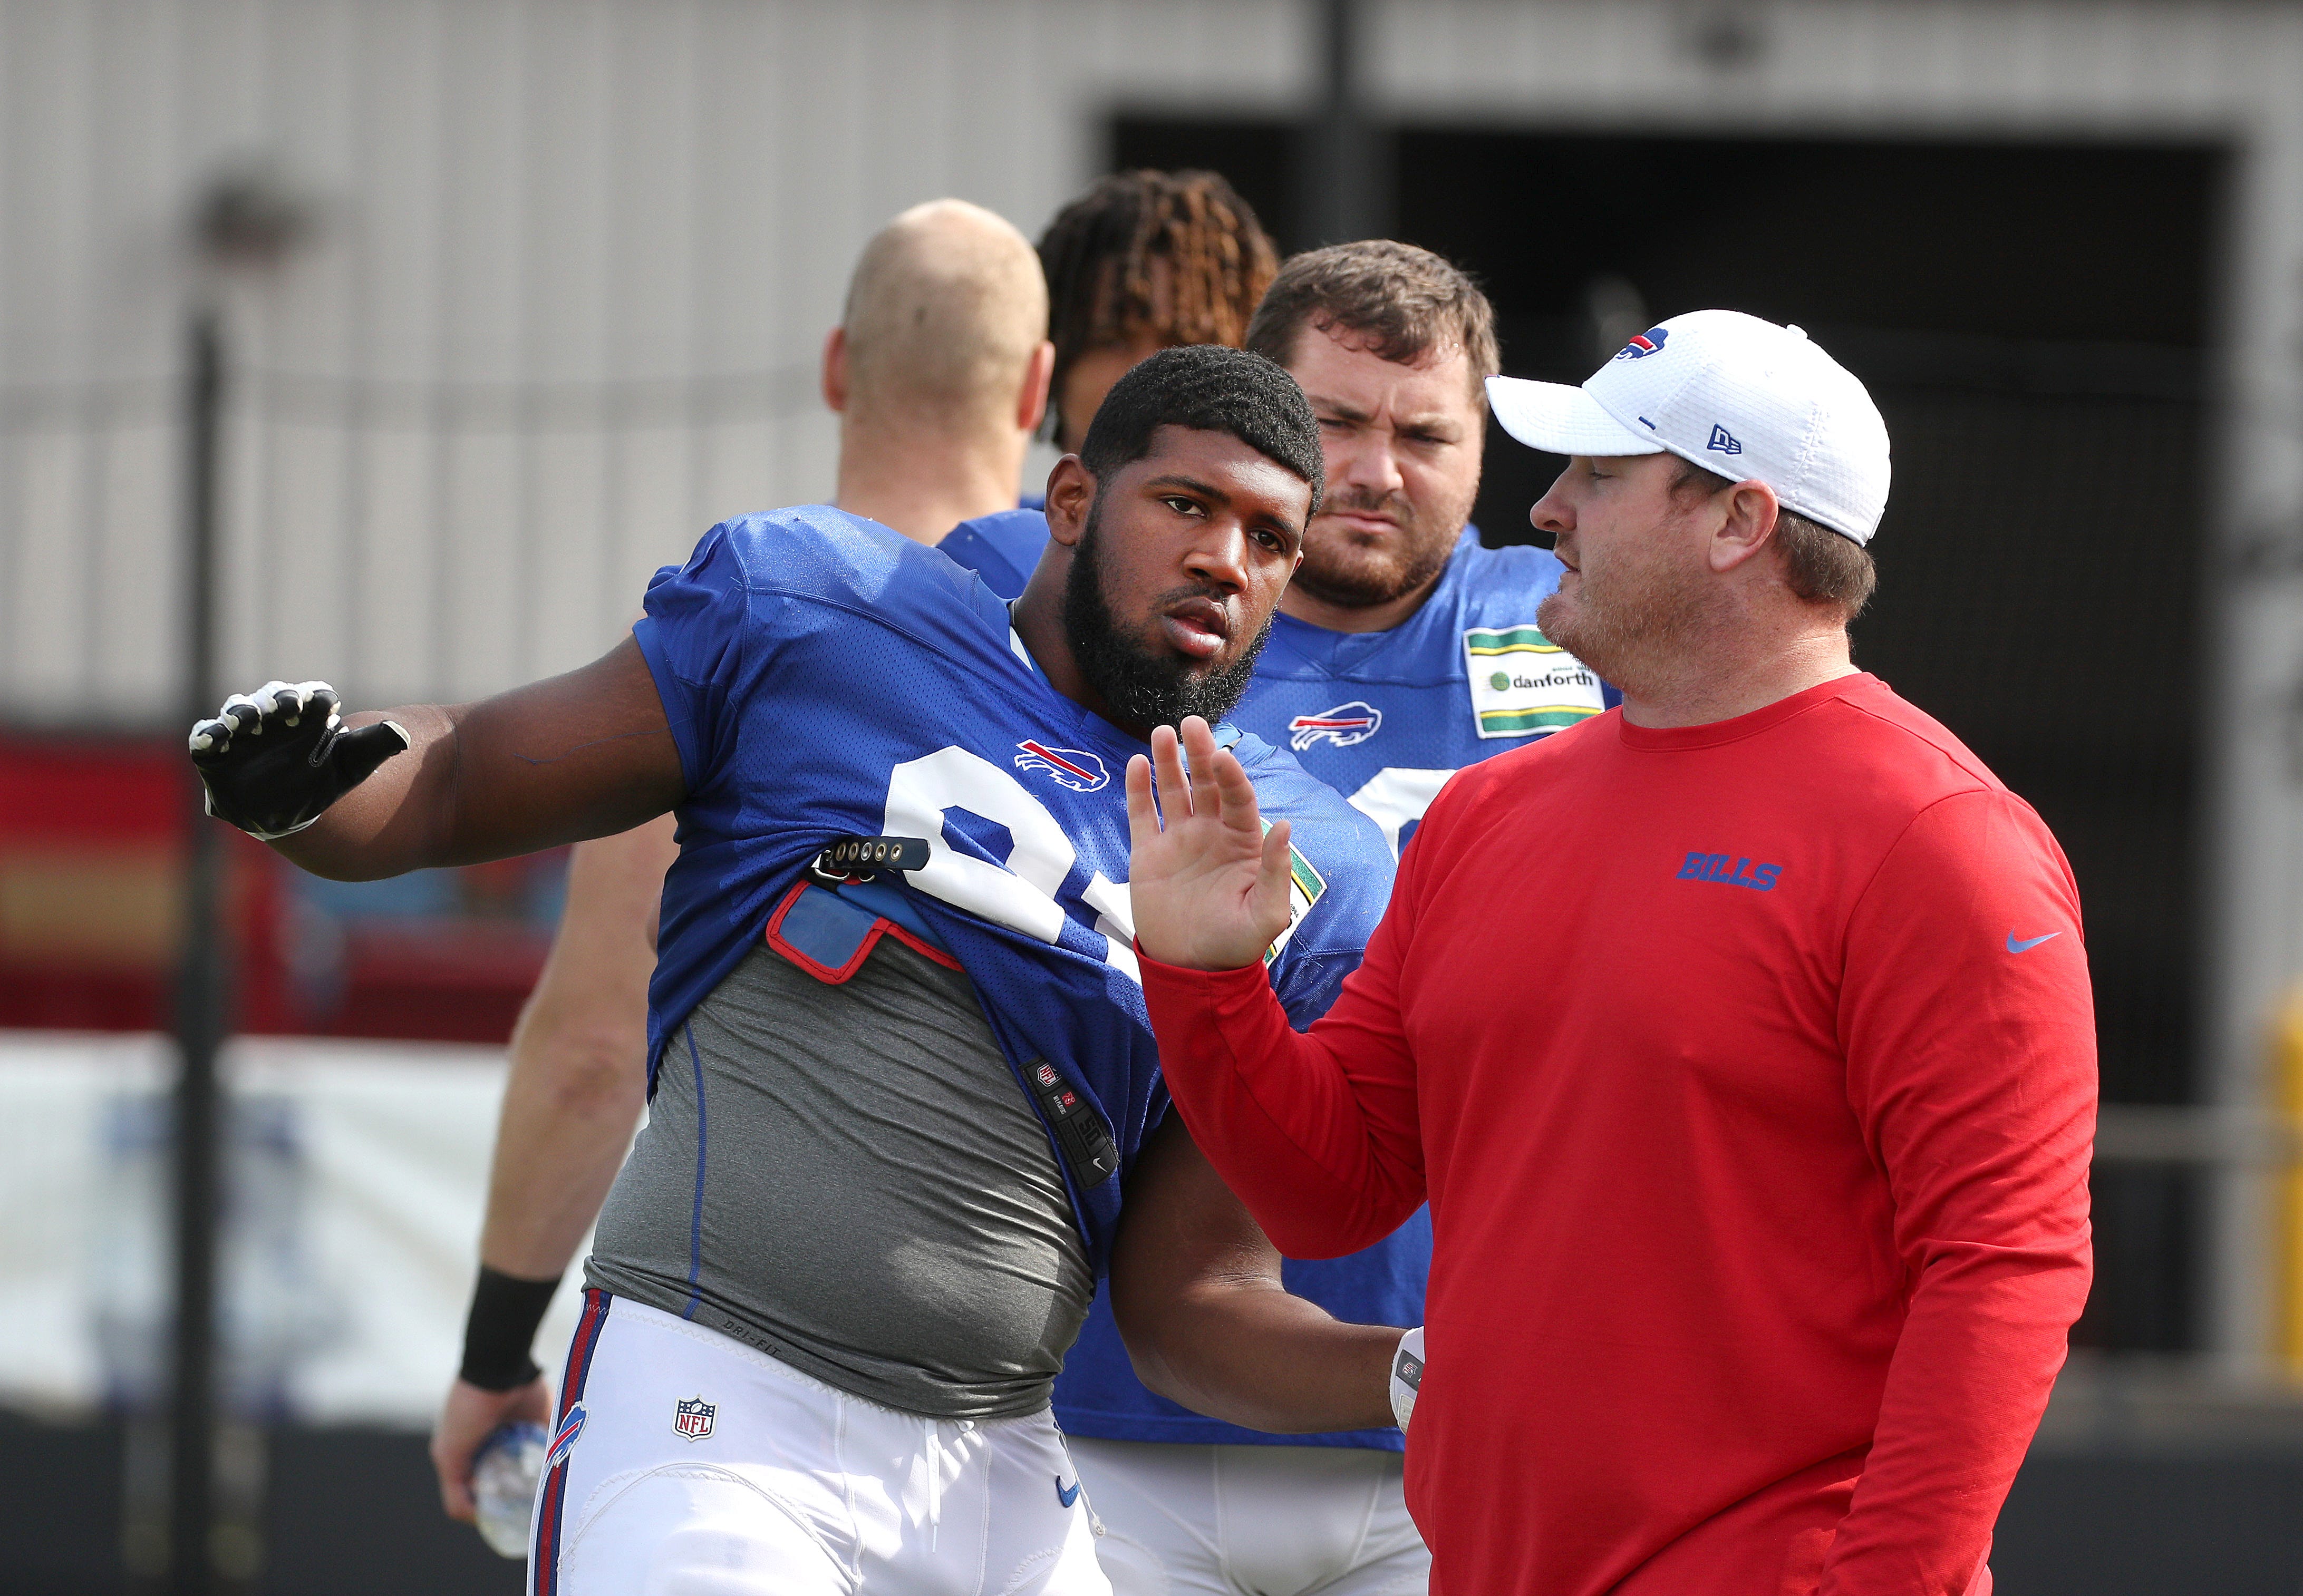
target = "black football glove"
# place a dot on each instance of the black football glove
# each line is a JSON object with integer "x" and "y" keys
{"x": 273, "y": 760}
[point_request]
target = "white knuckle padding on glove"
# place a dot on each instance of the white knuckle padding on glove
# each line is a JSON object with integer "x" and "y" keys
{"x": 243, "y": 713}
{"x": 1406, "y": 1376}
{"x": 308, "y": 695}
{"x": 276, "y": 787}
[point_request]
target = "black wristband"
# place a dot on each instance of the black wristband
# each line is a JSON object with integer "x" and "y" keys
{"x": 501, "y": 1328}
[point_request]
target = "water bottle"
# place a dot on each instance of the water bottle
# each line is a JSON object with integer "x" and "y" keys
{"x": 504, "y": 1472}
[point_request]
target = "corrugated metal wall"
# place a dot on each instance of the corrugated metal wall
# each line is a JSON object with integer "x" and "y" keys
{"x": 574, "y": 262}
{"x": 575, "y": 257}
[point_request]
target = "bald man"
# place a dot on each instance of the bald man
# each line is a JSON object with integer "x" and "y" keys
{"x": 939, "y": 374}
{"x": 939, "y": 369}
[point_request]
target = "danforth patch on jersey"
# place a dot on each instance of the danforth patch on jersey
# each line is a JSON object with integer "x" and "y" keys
{"x": 1346, "y": 725}
{"x": 1305, "y": 886}
{"x": 1524, "y": 683}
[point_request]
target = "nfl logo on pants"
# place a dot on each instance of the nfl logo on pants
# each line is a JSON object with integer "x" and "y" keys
{"x": 692, "y": 1420}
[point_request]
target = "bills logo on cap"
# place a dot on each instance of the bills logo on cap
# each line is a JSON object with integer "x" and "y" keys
{"x": 1643, "y": 344}
{"x": 1346, "y": 725}
{"x": 692, "y": 1420}
{"x": 1724, "y": 440}
{"x": 1072, "y": 768}
{"x": 570, "y": 1428}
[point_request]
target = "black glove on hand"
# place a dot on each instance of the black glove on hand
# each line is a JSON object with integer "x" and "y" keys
{"x": 273, "y": 760}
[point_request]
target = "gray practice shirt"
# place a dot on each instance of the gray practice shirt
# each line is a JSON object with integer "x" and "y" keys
{"x": 849, "y": 1179}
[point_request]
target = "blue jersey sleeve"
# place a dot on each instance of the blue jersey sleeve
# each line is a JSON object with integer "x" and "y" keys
{"x": 1003, "y": 548}
{"x": 694, "y": 637}
{"x": 1306, "y": 983}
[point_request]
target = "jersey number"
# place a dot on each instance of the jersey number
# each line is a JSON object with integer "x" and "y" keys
{"x": 1022, "y": 894}
{"x": 1396, "y": 797}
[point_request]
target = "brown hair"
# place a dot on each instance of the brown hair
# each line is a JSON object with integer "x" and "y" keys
{"x": 1100, "y": 252}
{"x": 1820, "y": 567}
{"x": 1405, "y": 302}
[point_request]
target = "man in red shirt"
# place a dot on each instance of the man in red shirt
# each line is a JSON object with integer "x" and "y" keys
{"x": 1740, "y": 1039}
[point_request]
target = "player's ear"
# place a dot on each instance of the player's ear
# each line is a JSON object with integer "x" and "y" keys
{"x": 835, "y": 370}
{"x": 1031, "y": 404}
{"x": 1071, "y": 495}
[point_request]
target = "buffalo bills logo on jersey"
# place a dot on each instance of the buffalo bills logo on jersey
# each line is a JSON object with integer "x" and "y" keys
{"x": 1072, "y": 768}
{"x": 692, "y": 1419}
{"x": 1346, "y": 725}
{"x": 1643, "y": 344}
{"x": 570, "y": 1428}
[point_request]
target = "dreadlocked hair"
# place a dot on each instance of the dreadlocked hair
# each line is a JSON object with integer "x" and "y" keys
{"x": 1177, "y": 258}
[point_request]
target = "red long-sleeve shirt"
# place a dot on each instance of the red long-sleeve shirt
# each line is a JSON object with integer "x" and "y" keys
{"x": 1749, "y": 1070}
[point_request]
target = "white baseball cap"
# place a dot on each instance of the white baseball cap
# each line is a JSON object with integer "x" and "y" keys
{"x": 1736, "y": 395}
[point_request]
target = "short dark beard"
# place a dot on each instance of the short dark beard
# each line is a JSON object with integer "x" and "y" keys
{"x": 1138, "y": 687}
{"x": 1361, "y": 580}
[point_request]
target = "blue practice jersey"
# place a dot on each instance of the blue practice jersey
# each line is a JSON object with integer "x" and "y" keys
{"x": 1384, "y": 717}
{"x": 1001, "y": 547}
{"x": 826, "y": 678}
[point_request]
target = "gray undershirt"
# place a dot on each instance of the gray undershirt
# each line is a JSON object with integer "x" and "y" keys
{"x": 876, "y": 1204}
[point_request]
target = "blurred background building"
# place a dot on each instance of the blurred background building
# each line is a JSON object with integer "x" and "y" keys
{"x": 551, "y": 283}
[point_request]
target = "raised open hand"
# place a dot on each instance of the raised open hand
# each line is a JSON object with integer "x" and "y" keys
{"x": 273, "y": 760}
{"x": 1209, "y": 884}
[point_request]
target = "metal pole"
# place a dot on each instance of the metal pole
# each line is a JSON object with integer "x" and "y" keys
{"x": 202, "y": 1011}
{"x": 1343, "y": 188}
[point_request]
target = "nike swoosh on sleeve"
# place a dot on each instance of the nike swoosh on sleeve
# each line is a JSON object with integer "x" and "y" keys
{"x": 2026, "y": 944}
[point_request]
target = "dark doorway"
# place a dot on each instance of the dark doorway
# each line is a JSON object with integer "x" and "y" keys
{"x": 2034, "y": 320}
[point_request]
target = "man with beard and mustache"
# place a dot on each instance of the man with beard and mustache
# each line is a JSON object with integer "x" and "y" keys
{"x": 900, "y": 1064}
{"x": 1404, "y": 650}
{"x": 1741, "y": 1039}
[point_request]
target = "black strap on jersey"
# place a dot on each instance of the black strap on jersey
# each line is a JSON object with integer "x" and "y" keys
{"x": 861, "y": 858}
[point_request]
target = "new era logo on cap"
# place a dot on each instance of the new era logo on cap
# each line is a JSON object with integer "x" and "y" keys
{"x": 1715, "y": 385}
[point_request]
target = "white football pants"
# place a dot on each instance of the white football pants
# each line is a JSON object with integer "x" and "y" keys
{"x": 1197, "y": 1520}
{"x": 704, "y": 1468}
